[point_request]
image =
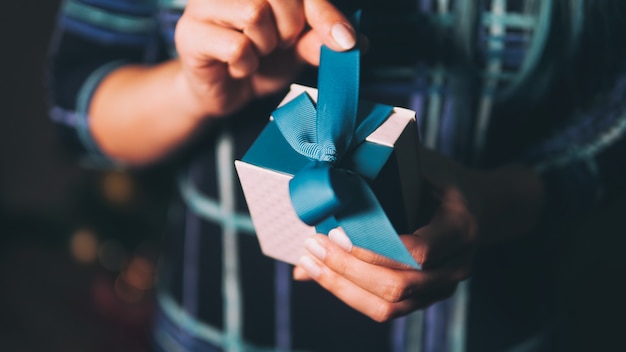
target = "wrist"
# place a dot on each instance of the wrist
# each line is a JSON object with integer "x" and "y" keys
{"x": 190, "y": 102}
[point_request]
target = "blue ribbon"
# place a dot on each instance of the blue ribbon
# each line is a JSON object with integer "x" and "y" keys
{"x": 325, "y": 193}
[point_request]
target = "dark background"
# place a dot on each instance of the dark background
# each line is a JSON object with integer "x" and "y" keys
{"x": 78, "y": 246}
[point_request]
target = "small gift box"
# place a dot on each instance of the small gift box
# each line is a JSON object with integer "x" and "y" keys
{"x": 331, "y": 160}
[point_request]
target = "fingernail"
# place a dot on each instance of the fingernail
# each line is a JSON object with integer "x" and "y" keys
{"x": 315, "y": 248}
{"x": 341, "y": 239}
{"x": 310, "y": 266}
{"x": 343, "y": 36}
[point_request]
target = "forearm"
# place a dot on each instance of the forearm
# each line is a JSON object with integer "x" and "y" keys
{"x": 139, "y": 114}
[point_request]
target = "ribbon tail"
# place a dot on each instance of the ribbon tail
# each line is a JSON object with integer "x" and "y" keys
{"x": 325, "y": 226}
{"x": 367, "y": 226}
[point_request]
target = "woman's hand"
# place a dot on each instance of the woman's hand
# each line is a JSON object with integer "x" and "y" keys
{"x": 233, "y": 51}
{"x": 474, "y": 208}
{"x": 229, "y": 53}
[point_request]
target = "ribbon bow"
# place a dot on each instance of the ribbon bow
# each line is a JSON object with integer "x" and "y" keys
{"x": 331, "y": 191}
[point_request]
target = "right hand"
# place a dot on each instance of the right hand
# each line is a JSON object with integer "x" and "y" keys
{"x": 233, "y": 51}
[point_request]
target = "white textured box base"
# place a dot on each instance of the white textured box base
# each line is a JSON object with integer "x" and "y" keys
{"x": 281, "y": 233}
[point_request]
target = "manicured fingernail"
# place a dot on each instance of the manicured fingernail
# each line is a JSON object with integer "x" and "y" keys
{"x": 315, "y": 248}
{"x": 310, "y": 266}
{"x": 343, "y": 36}
{"x": 340, "y": 238}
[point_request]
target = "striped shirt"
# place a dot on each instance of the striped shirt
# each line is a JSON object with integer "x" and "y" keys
{"x": 217, "y": 291}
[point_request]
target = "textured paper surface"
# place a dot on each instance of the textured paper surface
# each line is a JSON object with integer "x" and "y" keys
{"x": 281, "y": 233}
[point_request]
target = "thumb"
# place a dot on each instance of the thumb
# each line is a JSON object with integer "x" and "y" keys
{"x": 330, "y": 25}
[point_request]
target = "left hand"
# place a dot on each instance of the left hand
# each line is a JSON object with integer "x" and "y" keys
{"x": 472, "y": 208}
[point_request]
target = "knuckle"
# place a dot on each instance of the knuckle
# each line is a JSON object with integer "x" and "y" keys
{"x": 422, "y": 254}
{"x": 396, "y": 292}
{"x": 294, "y": 30}
{"x": 337, "y": 260}
{"x": 254, "y": 12}
{"x": 340, "y": 265}
{"x": 237, "y": 49}
{"x": 290, "y": 37}
{"x": 385, "y": 312}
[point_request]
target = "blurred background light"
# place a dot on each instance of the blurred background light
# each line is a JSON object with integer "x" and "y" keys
{"x": 118, "y": 187}
{"x": 140, "y": 273}
{"x": 84, "y": 246}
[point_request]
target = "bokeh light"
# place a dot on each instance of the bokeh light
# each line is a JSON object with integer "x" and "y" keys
{"x": 84, "y": 246}
{"x": 140, "y": 273}
{"x": 117, "y": 187}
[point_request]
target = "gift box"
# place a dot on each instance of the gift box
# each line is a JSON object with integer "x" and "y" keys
{"x": 310, "y": 170}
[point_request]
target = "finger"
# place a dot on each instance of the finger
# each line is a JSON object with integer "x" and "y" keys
{"x": 258, "y": 24}
{"x": 339, "y": 237}
{"x": 290, "y": 21}
{"x": 424, "y": 251}
{"x": 451, "y": 230}
{"x": 300, "y": 274}
{"x": 354, "y": 296}
{"x": 458, "y": 265}
{"x": 389, "y": 284}
{"x": 253, "y": 18}
{"x": 210, "y": 44}
{"x": 332, "y": 27}
{"x": 411, "y": 242}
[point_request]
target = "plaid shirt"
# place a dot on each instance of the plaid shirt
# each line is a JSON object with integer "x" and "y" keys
{"x": 217, "y": 291}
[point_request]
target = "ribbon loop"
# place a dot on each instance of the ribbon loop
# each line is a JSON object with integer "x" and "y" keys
{"x": 319, "y": 191}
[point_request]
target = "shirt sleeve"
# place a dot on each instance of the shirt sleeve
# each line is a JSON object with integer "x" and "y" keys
{"x": 584, "y": 164}
{"x": 92, "y": 38}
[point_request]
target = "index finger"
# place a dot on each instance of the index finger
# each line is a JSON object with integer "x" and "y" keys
{"x": 290, "y": 21}
{"x": 391, "y": 284}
